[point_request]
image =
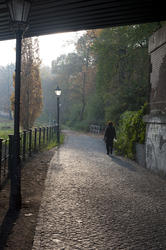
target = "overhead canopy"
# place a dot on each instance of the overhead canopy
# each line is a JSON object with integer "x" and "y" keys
{"x": 52, "y": 16}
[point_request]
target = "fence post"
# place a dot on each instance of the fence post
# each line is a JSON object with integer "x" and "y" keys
{"x": 5, "y": 159}
{"x": 50, "y": 133}
{"x": 30, "y": 142}
{"x": 11, "y": 139}
{"x": 47, "y": 135}
{"x": 44, "y": 135}
{"x": 39, "y": 137}
{"x": 1, "y": 140}
{"x": 24, "y": 145}
{"x": 35, "y": 139}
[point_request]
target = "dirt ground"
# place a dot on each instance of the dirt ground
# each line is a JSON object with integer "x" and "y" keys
{"x": 17, "y": 230}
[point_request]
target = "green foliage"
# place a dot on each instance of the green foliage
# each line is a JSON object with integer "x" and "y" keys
{"x": 131, "y": 131}
{"x": 81, "y": 126}
{"x": 123, "y": 68}
{"x": 107, "y": 75}
{"x": 6, "y": 128}
{"x": 4, "y": 133}
{"x": 94, "y": 110}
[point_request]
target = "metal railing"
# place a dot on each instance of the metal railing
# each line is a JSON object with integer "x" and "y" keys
{"x": 96, "y": 129}
{"x": 4, "y": 155}
{"x": 31, "y": 141}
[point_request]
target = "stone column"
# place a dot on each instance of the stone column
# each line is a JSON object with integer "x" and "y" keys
{"x": 156, "y": 120}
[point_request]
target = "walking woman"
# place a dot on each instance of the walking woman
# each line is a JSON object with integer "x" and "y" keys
{"x": 109, "y": 136}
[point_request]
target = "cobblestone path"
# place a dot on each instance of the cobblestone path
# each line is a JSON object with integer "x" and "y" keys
{"x": 94, "y": 201}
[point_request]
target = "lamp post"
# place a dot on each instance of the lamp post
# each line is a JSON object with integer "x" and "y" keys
{"x": 58, "y": 93}
{"x": 19, "y": 12}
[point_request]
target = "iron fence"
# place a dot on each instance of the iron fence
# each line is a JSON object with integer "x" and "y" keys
{"x": 4, "y": 155}
{"x": 96, "y": 129}
{"x": 31, "y": 141}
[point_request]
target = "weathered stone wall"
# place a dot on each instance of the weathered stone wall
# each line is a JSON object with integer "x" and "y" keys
{"x": 156, "y": 143}
{"x": 156, "y": 121}
{"x": 157, "y": 50}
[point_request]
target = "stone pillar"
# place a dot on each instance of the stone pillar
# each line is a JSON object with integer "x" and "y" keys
{"x": 156, "y": 120}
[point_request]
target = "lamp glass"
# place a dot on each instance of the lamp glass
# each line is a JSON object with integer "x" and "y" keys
{"x": 58, "y": 91}
{"x": 19, "y": 10}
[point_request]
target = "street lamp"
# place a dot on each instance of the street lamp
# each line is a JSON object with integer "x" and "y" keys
{"x": 58, "y": 93}
{"x": 19, "y": 12}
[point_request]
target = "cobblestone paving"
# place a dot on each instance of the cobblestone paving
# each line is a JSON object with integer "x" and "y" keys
{"x": 97, "y": 202}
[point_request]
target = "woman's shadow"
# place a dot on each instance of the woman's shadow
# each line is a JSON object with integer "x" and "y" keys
{"x": 123, "y": 163}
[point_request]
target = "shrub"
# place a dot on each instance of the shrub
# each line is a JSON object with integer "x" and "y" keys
{"x": 131, "y": 131}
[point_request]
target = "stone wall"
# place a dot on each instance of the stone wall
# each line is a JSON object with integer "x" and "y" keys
{"x": 156, "y": 142}
{"x": 156, "y": 120}
{"x": 157, "y": 50}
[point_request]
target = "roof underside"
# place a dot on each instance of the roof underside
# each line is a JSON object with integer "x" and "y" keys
{"x": 52, "y": 16}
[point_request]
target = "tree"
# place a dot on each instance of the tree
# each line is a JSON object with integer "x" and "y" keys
{"x": 6, "y": 74}
{"x": 88, "y": 70}
{"x": 31, "y": 91}
{"x": 65, "y": 68}
{"x": 107, "y": 75}
{"x": 49, "y": 100}
{"x": 123, "y": 68}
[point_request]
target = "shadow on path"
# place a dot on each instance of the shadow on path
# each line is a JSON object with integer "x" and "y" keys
{"x": 6, "y": 227}
{"x": 123, "y": 163}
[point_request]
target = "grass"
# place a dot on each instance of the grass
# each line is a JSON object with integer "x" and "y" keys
{"x": 53, "y": 143}
{"x": 6, "y": 128}
{"x": 4, "y": 134}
